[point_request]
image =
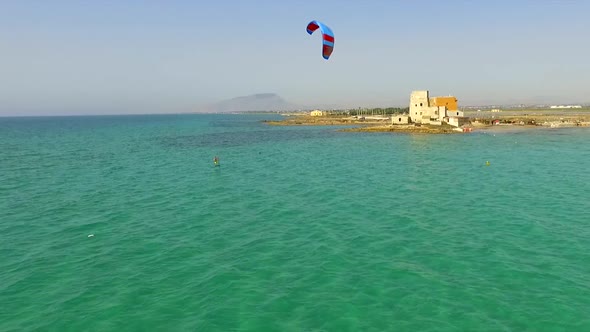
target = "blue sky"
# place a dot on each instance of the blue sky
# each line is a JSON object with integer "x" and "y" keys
{"x": 110, "y": 56}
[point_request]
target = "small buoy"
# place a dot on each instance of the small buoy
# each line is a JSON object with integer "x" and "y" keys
{"x": 487, "y": 163}
{"x": 90, "y": 235}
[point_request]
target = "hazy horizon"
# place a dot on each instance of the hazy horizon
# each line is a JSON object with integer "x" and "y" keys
{"x": 65, "y": 57}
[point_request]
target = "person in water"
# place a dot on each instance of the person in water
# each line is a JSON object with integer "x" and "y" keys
{"x": 216, "y": 161}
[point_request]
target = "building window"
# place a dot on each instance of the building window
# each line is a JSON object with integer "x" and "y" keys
{"x": 457, "y": 113}
{"x": 420, "y": 104}
{"x": 400, "y": 119}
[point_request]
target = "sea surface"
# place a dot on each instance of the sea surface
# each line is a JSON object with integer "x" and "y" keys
{"x": 298, "y": 229}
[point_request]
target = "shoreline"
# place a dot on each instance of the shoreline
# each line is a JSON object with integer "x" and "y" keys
{"x": 477, "y": 123}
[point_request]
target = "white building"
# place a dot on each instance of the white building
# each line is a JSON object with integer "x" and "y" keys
{"x": 435, "y": 111}
{"x": 400, "y": 119}
{"x": 566, "y": 106}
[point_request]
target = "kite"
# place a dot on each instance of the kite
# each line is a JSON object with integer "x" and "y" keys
{"x": 327, "y": 37}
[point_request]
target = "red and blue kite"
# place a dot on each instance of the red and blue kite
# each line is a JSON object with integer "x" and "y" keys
{"x": 327, "y": 37}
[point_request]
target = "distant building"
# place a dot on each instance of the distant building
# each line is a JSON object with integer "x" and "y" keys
{"x": 400, "y": 119}
{"x": 566, "y": 106}
{"x": 457, "y": 121}
{"x": 317, "y": 113}
{"x": 435, "y": 110}
{"x": 449, "y": 102}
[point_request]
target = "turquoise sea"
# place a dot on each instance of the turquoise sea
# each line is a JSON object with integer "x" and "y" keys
{"x": 299, "y": 229}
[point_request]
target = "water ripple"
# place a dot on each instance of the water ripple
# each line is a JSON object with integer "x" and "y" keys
{"x": 300, "y": 229}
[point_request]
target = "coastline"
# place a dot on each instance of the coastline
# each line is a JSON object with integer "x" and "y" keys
{"x": 478, "y": 122}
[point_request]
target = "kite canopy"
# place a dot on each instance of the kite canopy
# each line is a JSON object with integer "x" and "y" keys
{"x": 327, "y": 37}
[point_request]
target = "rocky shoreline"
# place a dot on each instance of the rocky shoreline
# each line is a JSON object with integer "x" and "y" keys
{"x": 383, "y": 124}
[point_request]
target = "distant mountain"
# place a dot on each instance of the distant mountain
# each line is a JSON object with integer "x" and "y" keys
{"x": 253, "y": 103}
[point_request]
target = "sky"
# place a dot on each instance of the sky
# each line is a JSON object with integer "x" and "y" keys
{"x": 121, "y": 57}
